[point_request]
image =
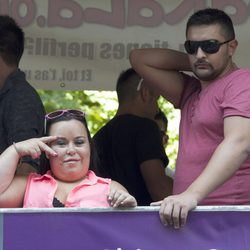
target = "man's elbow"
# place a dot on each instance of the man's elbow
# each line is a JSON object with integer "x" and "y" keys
{"x": 162, "y": 190}
{"x": 133, "y": 57}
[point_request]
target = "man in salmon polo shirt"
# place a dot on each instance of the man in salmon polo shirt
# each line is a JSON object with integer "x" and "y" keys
{"x": 213, "y": 163}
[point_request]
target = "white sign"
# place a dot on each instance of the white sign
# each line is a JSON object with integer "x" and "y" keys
{"x": 84, "y": 44}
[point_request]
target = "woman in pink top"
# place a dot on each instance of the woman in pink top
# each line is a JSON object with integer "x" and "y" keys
{"x": 66, "y": 179}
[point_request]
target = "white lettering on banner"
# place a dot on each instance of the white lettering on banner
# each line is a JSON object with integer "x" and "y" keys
{"x": 51, "y": 47}
{"x": 123, "y": 12}
{"x": 62, "y": 76}
{"x": 121, "y": 50}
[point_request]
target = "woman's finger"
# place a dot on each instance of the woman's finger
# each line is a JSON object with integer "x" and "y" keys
{"x": 44, "y": 147}
{"x": 47, "y": 139}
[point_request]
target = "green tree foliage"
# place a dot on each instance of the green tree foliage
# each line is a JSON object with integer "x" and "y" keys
{"x": 173, "y": 130}
{"x": 101, "y": 106}
{"x": 91, "y": 102}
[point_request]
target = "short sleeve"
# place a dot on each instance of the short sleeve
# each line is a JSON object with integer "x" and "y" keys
{"x": 149, "y": 143}
{"x": 236, "y": 96}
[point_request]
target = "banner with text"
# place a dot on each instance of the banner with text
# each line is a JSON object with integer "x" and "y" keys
{"x": 85, "y": 44}
{"x": 66, "y": 229}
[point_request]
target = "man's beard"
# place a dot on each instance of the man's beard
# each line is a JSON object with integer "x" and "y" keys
{"x": 204, "y": 71}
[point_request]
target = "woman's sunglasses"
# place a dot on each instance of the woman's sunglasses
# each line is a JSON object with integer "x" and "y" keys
{"x": 59, "y": 113}
{"x": 208, "y": 46}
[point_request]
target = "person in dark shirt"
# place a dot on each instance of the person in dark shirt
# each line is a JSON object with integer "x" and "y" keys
{"x": 162, "y": 122}
{"x": 21, "y": 109}
{"x": 130, "y": 146}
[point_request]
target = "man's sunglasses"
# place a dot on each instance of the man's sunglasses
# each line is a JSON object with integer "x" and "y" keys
{"x": 59, "y": 113}
{"x": 208, "y": 46}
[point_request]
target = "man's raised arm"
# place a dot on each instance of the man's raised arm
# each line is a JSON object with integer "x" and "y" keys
{"x": 161, "y": 68}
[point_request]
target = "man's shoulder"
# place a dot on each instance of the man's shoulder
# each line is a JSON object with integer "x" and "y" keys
{"x": 128, "y": 121}
{"x": 20, "y": 96}
{"x": 17, "y": 81}
{"x": 132, "y": 119}
{"x": 132, "y": 124}
{"x": 240, "y": 76}
{"x": 241, "y": 72}
{"x": 22, "y": 86}
{"x": 23, "y": 90}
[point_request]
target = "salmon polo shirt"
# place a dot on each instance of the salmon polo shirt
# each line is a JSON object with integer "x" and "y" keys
{"x": 91, "y": 192}
{"x": 203, "y": 112}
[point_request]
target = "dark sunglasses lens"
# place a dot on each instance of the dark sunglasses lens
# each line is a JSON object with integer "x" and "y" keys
{"x": 190, "y": 47}
{"x": 211, "y": 46}
{"x": 55, "y": 114}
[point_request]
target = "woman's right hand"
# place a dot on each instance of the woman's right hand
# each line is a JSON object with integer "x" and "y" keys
{"x": 121, "y": 198}
{"x": 34, "y": 147}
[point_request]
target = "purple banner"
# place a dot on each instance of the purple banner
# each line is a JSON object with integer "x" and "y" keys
{"x": 124, "y": 230}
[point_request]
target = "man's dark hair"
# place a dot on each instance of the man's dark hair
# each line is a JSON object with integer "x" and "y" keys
{"x": 126, "y": 85}
{"x": 11, "y": 41}
{"x": 161, "y": 116}
{"x": 211, "y": 16}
